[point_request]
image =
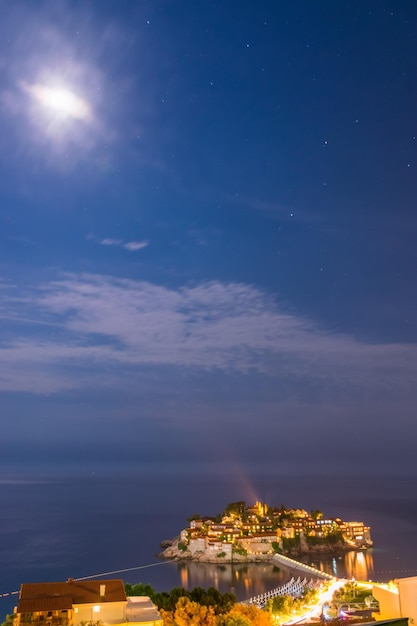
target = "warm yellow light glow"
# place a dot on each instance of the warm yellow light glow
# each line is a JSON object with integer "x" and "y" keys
{"x": 63, "y": 102}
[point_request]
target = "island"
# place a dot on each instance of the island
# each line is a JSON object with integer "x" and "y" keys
{"x": 256, "y": 533}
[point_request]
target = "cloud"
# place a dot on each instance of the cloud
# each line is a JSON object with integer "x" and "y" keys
{"x": 274, "y": 210}
{"x": 111, "y": 242}
{"x": 93, "y": 331}
{"x": 131, "y": 246}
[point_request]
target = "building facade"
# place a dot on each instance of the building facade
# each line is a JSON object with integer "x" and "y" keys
{"x": 82, "y": 603}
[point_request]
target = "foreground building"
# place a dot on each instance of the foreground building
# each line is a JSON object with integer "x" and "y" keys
{"x": 397, "y": 599}
{"x": 83, "y": 603}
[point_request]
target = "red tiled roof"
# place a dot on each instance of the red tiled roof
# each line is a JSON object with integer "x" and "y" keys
{"x": 58, "y": 596}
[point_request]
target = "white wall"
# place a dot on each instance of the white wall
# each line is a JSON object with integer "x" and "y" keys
{"x": 109, "y": 613}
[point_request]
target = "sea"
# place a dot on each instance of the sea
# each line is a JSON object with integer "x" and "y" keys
{"x": 111, "y": 526}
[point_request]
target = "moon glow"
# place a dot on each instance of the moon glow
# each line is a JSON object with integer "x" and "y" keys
{"x": 62, "y": 102}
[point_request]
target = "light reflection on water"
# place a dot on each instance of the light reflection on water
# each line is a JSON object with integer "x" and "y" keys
{"x": 250, "y": 579}
{"x": 243, "y": 579}
{"x": 358, "y": 565}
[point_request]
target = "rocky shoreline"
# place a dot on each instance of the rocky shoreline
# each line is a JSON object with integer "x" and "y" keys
{"x": 172, "y": 551}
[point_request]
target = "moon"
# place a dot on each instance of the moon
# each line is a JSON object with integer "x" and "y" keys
{"x": 62, "y": 102}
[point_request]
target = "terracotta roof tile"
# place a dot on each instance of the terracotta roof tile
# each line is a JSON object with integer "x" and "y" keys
{"x": 49, "y": 603}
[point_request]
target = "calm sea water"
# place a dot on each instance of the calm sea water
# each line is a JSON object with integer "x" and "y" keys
{"x": 52, "y": 529}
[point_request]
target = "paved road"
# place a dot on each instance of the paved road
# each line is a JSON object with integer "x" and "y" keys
{"x": 315, "y": 612}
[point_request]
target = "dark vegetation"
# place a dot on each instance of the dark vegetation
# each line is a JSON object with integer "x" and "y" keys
{"x": 220, "y": 602}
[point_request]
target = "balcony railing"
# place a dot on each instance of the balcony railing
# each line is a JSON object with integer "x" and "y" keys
{"x": 44, "y": 620}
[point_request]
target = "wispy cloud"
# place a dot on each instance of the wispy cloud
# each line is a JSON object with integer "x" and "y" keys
{"x": 111, "y": 242}
{"x": 274, "y": 210}
{"x": 131, "y": 246}
{"x": 96, "y": 329}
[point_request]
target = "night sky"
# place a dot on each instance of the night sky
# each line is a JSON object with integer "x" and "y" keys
{"x": 208, "y": 236}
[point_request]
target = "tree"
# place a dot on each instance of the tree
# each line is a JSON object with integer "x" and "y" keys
{"x": 219, "y": 602}
{"x": 168, "y": 601}
{"x": 9, "y": 621}
{"x": 140, "y": 590}
{"x": 199, "y": 595}
{"x": 282, "y": 604}
{"x": 290, "y": 543}
{"x": 167, "y": 617}
{"x": 176, "y": 594}
{"x": 233, "y": 620}
{"x": 238, "y": 508}
{"x": 247, "y": 614}
{"x": 189, "y": 613}
{"x": 276, "y": 547}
